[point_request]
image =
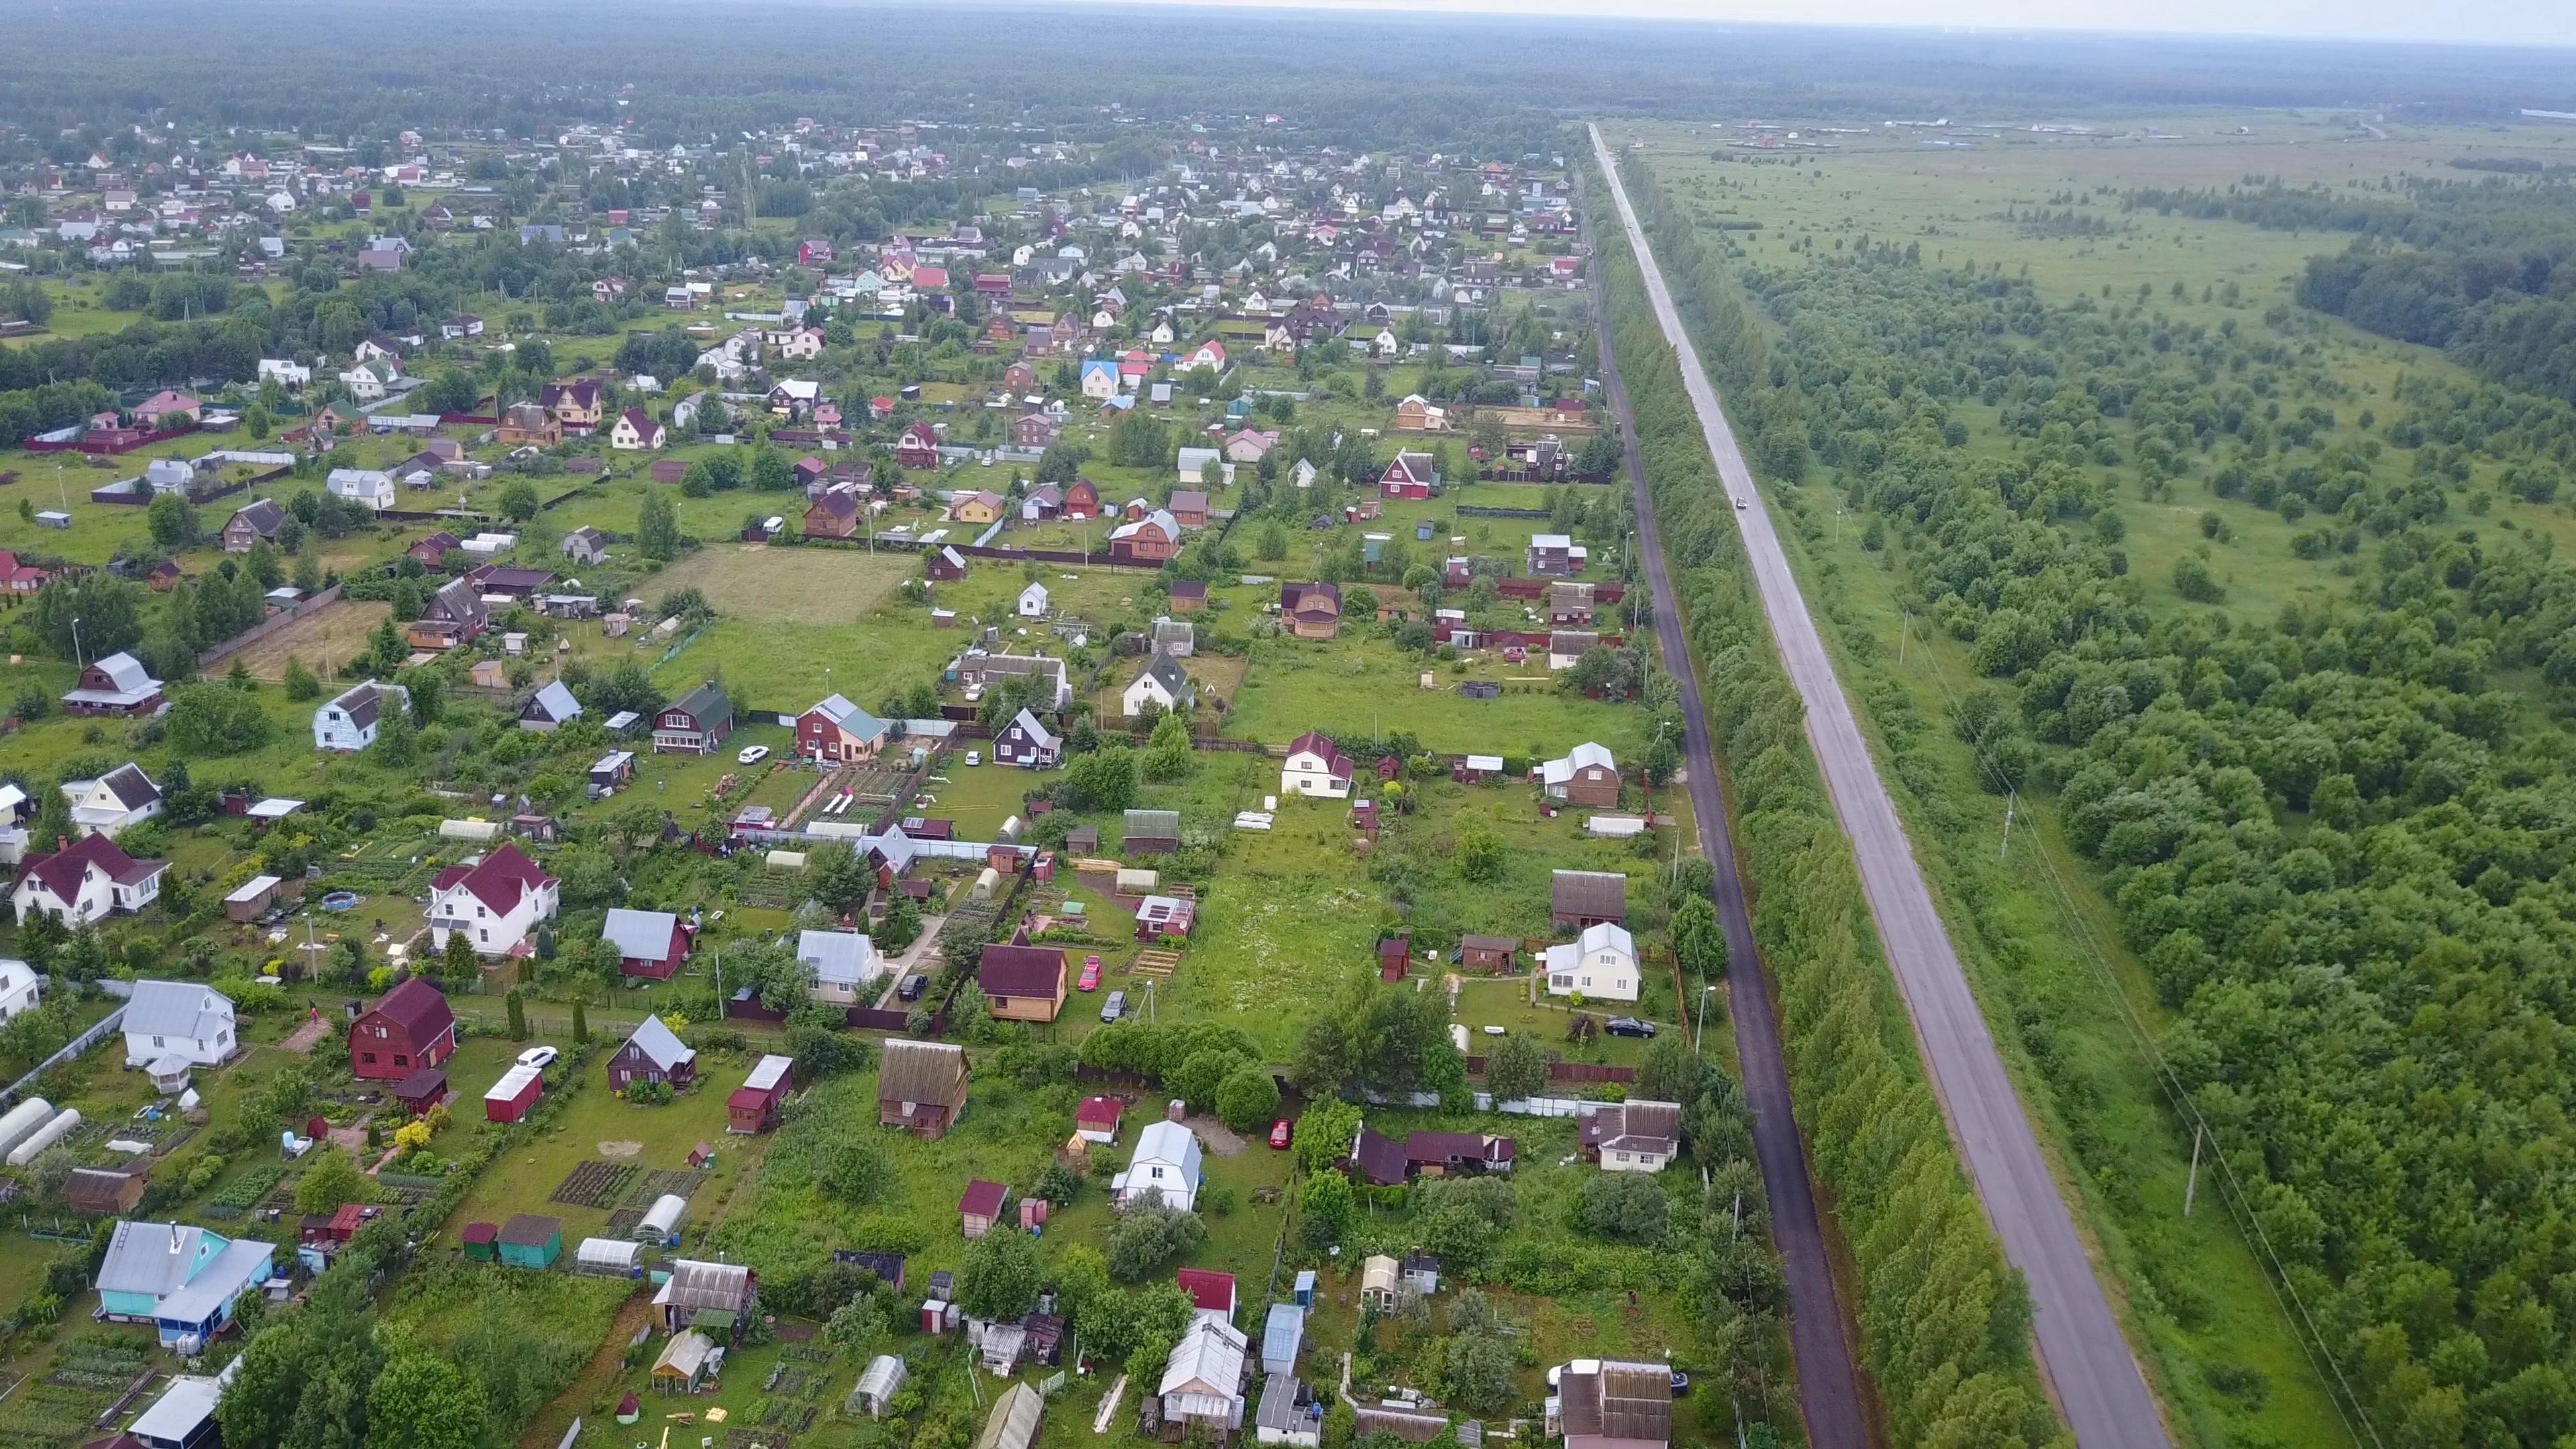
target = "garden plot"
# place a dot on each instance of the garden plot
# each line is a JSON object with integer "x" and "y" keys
{"x": 820, "y": 586}
{"x": 595, "y": 1184}
{"x": 324, "y": 639}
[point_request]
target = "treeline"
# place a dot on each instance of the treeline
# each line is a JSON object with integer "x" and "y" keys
{"x": 2334, "y": 841}
{"x": 2484, "y": 269}
{"x": 1943, "y": 1319}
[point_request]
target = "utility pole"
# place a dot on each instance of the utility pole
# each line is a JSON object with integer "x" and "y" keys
{"x": 2009, "y": 801}
{"x": 2191, "y": 1184}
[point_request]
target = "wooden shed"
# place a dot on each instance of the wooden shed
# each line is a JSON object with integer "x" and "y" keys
{"x": 482, "y": 1242}
{"x": 530, "y": 1241}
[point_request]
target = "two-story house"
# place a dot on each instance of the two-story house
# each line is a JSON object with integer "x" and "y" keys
{"x": 495, "y": 901}
{"x": 117, "y": 687}
{"x": 636, "y": 432}
{"x": 1314, "y": 767}
{"x": 87, "y": 880}
{"x": 350, "y": 723}
{"x": 1165, "y": 1169}
{"x": 1587, "y": 775}
{"x": 576, "y": 406}
{"x": 1600, "y": 965}
{"x": 369, "y": 488}
{"x": 1311, "y": 611}
{"x": 1028, "y": 743}
{"x": 409, "y": 1029}
{"x": 114, "y": 802}
{"x": 694, "y": 724}
{"x": 846, "y": 965}
{"x": 185, "y": 1019}
{"x": 836, "y": 729}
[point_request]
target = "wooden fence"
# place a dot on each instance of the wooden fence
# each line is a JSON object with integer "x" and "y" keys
{"x": 270, "y": 625}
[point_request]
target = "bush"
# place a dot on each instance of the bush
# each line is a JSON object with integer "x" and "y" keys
{"x": 1248, "y": 1098}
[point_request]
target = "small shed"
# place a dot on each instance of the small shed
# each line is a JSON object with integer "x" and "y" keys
{"x": 95, "y": 1192}
{"x": 1152, "y": 832}
{"x": 609, "y": 1258}
{"x": 1378, "y": 1282}
{"x": 661, "y": 1222}
{"x": 481, "y": 1242}
{"x": 1096, "y": 1119}
{"x": 981, "y": 1208}
{"x": 422, "y": 1090}
{"x": 1488, "y": 953}
{"x": 753, "y": 1107}
{"x": 530, "y": 1241}
{"x": 254, "y": 896}
{"x": 877, "y": 1386}
{"x": 1422, "y": 1273}
{"x": 686, "y": 1361}
{"x": 509, "y": 1099}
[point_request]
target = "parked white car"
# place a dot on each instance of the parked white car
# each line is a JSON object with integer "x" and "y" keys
{"x": 753, "y": 754}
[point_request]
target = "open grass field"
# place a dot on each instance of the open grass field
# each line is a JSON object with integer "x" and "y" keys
{"x": 827, "y": 588}
{"x": 324, "y": 641}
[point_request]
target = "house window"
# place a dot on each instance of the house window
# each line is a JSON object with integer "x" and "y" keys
{"x": 1620, "y": 1156}
{"x": 157, "y": 1041}
{"x": 400, "y": 1060}
{"x": 367, "y": 1057}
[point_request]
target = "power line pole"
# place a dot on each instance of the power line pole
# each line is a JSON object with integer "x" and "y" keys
{"x": 2191, "y": 1184}
{"x": 2009, "y": 801}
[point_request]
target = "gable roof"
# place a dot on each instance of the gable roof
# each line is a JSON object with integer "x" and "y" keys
{"x": 1164, "y": 1140}
{"x": 1589, "y": 893}
{"x": 416, "y": 1007}
{"x": 554, "y": 702}
{"x": 177, "y": 1008}
{"x": 922, "y": 1071}
{"x": 1557, "y": 772}
{"x": 1334, "y": 760}
{"x": 837, "y": 957}
{"x": 362, "y": 703}
{"x": 639, "y": 935}
{"x": 1209, "y": 1356}
{"x": 1209, "y": 1290}
{"x": 153, "y": 1258}
{"x": 849, "y": 718}
{"x": 1609, "y": 1399}
{"x": 1379, "y": 1159}
{"x": 132, "y": 788}
{"x": 1167, "y": 672}
{"x": 1306, "y": 598}
{"x": 500, "y": 881}
{"x": 263, "y": 515}
{"x": 983, "y": 1199}
{"x": 1026, "y": 721}
{"x": 60, "y": 873}
{"x": 705, "y": 704}
{"x": 659, "y": 1045}
{"x": 1016, "y": 970}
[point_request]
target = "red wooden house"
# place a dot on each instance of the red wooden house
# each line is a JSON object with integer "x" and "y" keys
{"x": 917, "y": 447}
{"x": 753, "y": 1107}
{"x": 410, "y": 1028}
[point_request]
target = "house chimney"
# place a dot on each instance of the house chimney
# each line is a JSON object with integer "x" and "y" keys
{"x": 174, "y": 1237}
{"x": 1176, "y": 1110}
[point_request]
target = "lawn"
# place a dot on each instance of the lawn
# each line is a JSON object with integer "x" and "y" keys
{"x": 1361, "y": 684}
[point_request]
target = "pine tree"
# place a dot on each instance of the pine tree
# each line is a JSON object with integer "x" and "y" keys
{"x": 580, "y": 1023}
{"x": 461, "y": 964}
{"x": 518, "y": 1015}
{"x": 300, "y": 683}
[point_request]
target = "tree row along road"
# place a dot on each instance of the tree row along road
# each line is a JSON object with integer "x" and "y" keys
{"x": 2090, "y": 1370}
{"x": 1829, "y": 1397}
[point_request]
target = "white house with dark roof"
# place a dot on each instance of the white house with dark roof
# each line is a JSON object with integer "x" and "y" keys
{"x": 350, "y": 723}
{"x": 1162, "y": 682}
{"x": 118, "y": 800}
{"x": 497, "y": 901}
{"x": 20, "y": 989}
{"x": 183, "y": 1018}
{"x": 86, "y": 881}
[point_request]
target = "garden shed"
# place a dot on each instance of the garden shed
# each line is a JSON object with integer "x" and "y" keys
{"x": 481, "y": 1242}
{"x": 530, "y": 1241}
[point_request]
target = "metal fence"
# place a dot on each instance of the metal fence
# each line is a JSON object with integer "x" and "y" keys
{"x": 108, "y": 1025}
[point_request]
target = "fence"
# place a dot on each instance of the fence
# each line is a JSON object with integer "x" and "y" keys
{"x": 268, "y": 626}
{"x": 1569, "y": 1071}
{"x": 107, "y": 1026}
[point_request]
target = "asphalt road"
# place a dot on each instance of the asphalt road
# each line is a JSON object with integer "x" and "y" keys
{"x": 2087, "y": 1361}
{"x": 1829, "y": 1397}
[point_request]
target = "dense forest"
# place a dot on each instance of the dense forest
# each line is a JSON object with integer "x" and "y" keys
{"x": 667, "y": 72}
{"x": 2486, "y": 269}
{"x": 2337, "y": 838}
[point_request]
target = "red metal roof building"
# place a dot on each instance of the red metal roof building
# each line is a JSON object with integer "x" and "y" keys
{"x": 753, "y": 1107}
{"x": 408, "y": 1029}
{"x": 1209, "y": 1292}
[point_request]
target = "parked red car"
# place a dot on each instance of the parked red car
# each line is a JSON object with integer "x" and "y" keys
{"x": 1090, "y": 974}
{"x": 1280, "y": 1132}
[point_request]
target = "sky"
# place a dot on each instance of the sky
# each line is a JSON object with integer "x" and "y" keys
{"x": 2474, "y": 22}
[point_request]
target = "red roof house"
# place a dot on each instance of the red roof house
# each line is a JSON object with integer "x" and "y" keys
{"x": 1209, "y": 1292}
{"x": 408, "y": 1030}
{"x": 917, "y": 446}
{"x": 753, "y": 1107}
{"x": 981, "y": 1207}
{"x": 1096, "y": 1120}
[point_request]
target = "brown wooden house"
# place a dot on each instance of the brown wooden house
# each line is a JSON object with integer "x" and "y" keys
{"x": 921, "y": 1087}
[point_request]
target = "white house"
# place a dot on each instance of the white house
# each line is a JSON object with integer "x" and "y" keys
{"x": 1100, "y": 380}
{"x": 371, "y": 487}
{"x": 349, "y": 724}
{"x": 1165, "y": 1169}
{"x": 496, "y": 901}
{"x": 365, "y": 383}
{"x": 1193, "y": 467}
{"x": 845, "y": 964}
{"x": 18, "y": 987}
{"x": 286, "y": 373}
{"x": 1639, "y": 1136}
{"x": 1601, "y": 964}
{"x": 1315, "y": 768}
{"x": 1033, "y": 602}
{"x": 635, "y": 431}
{"x": 115, "y": 801}
{"x": 181, "y": 1018}
{"x": 1200, "y": 1378}
{"x": 86, "y": 881}
{"x": 1163, "y": 682}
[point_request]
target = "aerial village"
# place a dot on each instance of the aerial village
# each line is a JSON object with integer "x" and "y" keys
{"x": 903, "y": 785}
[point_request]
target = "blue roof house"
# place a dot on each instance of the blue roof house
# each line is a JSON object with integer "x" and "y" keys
{"x": 182, "y": 1279}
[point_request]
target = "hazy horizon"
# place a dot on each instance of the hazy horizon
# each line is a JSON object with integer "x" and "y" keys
{"x": 2495, "y": 22}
